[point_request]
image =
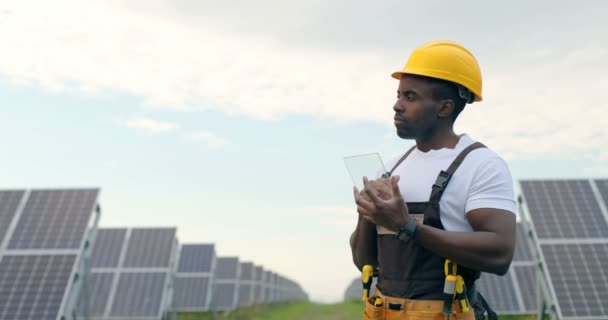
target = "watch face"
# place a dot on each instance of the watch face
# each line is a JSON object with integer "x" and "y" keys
{"x": 403, "y": 236}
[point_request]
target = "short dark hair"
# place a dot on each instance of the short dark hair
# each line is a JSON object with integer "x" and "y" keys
{"x": 443, "y": 90}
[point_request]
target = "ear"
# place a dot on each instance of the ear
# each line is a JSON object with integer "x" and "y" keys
{"x": 446, "y": 107}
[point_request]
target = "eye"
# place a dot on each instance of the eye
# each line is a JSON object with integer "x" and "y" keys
{"x": 409, "y": 97}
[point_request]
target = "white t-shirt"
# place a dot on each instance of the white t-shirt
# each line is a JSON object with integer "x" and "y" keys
{"x": 483, "y": 180}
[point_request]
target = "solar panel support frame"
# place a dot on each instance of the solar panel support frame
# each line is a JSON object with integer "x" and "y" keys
{"x": 81, "y": 271}
{"x": 167, "y": 298}
{"x": 599, "y": 198}
{"x": 547, "y": 299}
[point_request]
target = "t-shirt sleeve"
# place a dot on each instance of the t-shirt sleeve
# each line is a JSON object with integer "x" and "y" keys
{"x": 491, "y": 187}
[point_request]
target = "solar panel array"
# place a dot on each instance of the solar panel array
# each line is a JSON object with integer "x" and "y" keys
{"x": 515, "y": 292}
{"x": 56, "y": 264}
{"x": 43, "y": 236}
{"x": 131, "y": 274}
{"x": 569, "y": 220}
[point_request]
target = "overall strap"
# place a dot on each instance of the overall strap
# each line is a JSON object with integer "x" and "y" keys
{"x": 401, "y": 160}
{"x": 444, "y": 176}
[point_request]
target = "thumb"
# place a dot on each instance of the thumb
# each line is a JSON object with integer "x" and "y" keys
{"x": 395, "y": 185}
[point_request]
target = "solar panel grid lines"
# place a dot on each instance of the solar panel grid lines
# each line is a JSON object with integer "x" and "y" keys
{"x": 50, "y": 274}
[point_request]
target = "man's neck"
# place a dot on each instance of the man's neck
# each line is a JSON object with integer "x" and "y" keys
{"x": 440, "y": 139}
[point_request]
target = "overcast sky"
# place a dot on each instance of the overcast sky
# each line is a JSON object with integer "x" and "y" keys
{"x": 230, "y": 119}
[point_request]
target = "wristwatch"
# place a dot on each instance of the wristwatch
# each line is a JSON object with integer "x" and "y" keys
{"x": 408, "y": 230}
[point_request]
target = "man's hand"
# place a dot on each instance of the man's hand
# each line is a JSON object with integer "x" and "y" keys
{"x": 385, "y": 206}
{"x": 365, "y": 205}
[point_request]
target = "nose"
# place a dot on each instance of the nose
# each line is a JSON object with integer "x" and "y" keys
{"x": 398, "y": 107}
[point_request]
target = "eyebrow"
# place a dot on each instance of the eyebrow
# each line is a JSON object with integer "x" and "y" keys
{"x": 406, "y": 92}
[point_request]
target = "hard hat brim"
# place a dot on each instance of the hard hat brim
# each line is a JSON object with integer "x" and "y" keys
{"x": 398, "y": 74}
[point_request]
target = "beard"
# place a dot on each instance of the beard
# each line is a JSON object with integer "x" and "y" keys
{"x": 405, "y": 133}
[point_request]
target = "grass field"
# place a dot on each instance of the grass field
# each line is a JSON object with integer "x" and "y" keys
{"x": 301, "y": 311}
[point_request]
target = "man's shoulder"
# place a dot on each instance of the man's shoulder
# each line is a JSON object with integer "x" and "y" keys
{"x": 484, "y": 156}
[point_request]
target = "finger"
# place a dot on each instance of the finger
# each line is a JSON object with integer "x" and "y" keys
{"x": 355, "y": 192}
{"x": 368, "y": 219}
{"x": 371, "y": 191}
{"x": 366, "y": 205}
{"x": 395, "y": 185}
{"x": 365, "y": 212}
{"x": 365, "y": 182}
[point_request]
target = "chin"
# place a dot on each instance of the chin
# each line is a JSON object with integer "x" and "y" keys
{"x": 404, "y": 134}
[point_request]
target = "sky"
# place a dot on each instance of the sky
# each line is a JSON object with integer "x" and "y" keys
{"x": 230, "y": 120}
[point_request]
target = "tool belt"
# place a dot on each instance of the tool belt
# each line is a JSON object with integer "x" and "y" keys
{"x": 407, "y": 309}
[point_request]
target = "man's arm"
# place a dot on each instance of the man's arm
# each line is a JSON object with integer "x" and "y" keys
{"x": 363, "y": 244}
{"x": 488, "y": 249}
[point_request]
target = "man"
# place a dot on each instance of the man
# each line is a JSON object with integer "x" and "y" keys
{"x": 449, "y": 200}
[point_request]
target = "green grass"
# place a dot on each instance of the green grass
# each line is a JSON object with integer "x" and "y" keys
{"x": 301, "y": 311}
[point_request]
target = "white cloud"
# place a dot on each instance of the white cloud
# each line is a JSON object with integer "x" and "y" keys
{"x": 541, "y": 99}
{"x": 211, "y": 139}
{"x": 151, "y": 126}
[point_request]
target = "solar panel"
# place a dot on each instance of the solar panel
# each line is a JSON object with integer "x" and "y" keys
{"x": 246, "y": 271}
{"x": 32, "y": 287}
{"x": 526, "y": 280}
{"x": 193, "y": 280}
{"x": 135, "y": 265}
{"x": 191, "y": 293}
{"x": 245, "y": 294}
{"x": 54, "y": 219}
{"x": 224, "y": 296}
{"x": 9, "y": 202}
{"x": 227, "y": 268}
{"x": 522, "y": 247}
{"x": 558, "y": 207}
{"x": 139, "y": 295}
{"x": 150, "y": 248}
{"x": 502, "y": 290}
{"x": 573, "y": 244}
{"x": 226, "y": 283}
{"x": 579, "y": 277}
{"x": 196, "y": 258}
{"x": 108, "y": 247}
{"x": 259, "y": 284}
{"x": 43, "y": 234}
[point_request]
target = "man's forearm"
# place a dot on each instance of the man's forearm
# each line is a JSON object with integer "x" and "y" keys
{"x": 363, "y": 243}
{"x": 483, "y": 251}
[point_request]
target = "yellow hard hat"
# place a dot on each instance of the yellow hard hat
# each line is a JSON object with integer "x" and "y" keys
{"x": 445, "y": 60}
